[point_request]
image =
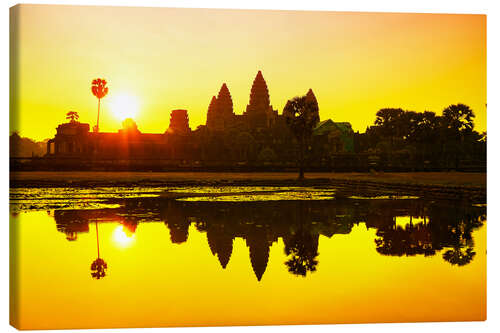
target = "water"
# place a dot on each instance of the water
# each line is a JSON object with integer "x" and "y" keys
{"x": 118, "y": 257}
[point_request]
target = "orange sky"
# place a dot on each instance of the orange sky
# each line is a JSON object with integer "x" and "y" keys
{"x": 165, "y": 59}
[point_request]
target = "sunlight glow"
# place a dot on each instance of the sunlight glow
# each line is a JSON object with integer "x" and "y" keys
{"x": 124, "y": 106}
{"x": 121, "y": 238}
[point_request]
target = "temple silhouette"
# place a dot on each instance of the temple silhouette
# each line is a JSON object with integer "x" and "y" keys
{"x": 259, "y": 137}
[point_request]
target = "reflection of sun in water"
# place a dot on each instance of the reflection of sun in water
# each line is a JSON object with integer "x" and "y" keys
{"x": 121, "y": 238}
{"x": 124, "y": 106}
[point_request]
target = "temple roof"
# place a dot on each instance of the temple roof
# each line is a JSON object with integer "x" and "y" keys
{"x": 328, "y": 125}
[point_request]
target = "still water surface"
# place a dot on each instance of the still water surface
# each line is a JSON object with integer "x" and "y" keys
{"x": 224, "y": 256}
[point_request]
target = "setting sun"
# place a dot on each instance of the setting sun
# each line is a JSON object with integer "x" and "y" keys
{"x": 124, "y": 106}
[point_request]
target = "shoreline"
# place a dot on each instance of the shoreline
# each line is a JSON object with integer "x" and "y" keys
{"x": 428, "y": 185}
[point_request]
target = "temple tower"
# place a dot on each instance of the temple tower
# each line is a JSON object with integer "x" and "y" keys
{"x": 311, "y": 97}
{"x": 179, "y": 122}
{"x": 211, "y": 113}
{"x": 224, "y": 102}
{"x": 259, "y": 112}
{"x": 220, "y": 113}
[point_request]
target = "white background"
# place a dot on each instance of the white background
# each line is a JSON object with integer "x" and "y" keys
{"x": 491, "y": 8}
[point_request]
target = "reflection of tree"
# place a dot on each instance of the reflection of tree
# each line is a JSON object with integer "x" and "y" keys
{"x": 302, "y": 248}
{"x": 301, "y": 238}
{"x": 433, "y": 227}
{"x": 449, "y": 227}
{"x": 98, "y": 267}
{"x": 453, "y": 229}
{"x": 412, "y": 240}
{"x": 71, "y": 223}
{"x": 458, "y": 256}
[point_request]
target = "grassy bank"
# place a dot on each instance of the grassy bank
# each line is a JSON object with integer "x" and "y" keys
{"x": 453, "y": 179}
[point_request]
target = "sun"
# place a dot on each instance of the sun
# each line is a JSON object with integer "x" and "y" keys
{"x": 124, "y": 106}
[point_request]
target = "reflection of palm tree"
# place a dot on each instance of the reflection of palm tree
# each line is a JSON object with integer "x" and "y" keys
{"x": 457, "y": 256}
{"x": 98, "y": 267}
{"x": 302, "y": 250}
{"x": 99, "y": 90}
{"x": 453, "y": 229}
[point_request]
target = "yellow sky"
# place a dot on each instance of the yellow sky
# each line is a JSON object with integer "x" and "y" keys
{"x": 166, "y": 59}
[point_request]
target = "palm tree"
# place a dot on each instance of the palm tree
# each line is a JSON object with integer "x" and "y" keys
{"x": 99, "y": 90}
{"x": 72, "y": 116}
{"x": 301, "y": 115}
{"x": 458, "y": 122}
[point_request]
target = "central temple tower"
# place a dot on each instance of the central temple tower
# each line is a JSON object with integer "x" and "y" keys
{"x": 259, "y": 112}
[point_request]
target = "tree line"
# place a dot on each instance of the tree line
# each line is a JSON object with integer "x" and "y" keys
{"x": 425, "y": 137}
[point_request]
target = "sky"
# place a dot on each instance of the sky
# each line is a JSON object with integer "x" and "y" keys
{"x": 159, "y": 59}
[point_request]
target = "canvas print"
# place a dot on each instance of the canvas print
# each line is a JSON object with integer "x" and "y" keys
{"x": 213, "y": 167}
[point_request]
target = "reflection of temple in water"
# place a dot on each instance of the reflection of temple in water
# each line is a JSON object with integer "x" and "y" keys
{"x": 258, "y": 246}
{"x": 428, "y": 228}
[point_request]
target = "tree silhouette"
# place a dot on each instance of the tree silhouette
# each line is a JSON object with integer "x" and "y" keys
{"x": 301, "y": 114}
{"x": 99, "y": 90}
{"x": 423, "y": 139}
{"x": 72, "y": 116}
{"x": 459, "y": 117}
{"x": 458, "y": 122}
{"x": 457, "y": 256}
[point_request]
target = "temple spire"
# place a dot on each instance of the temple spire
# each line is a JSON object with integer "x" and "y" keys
{"x": 259, "y": 95}
{"x": 211, "y": 112}
{"x": 311, "y": 97}
{"x": 220, "y": 113}
{"x": 259, "y": 110}
{"x": 224, "y": 101}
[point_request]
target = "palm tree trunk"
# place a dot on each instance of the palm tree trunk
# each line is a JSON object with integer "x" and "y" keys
{"x": 97, "y": 234}
{"x": 98, "y": 112}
